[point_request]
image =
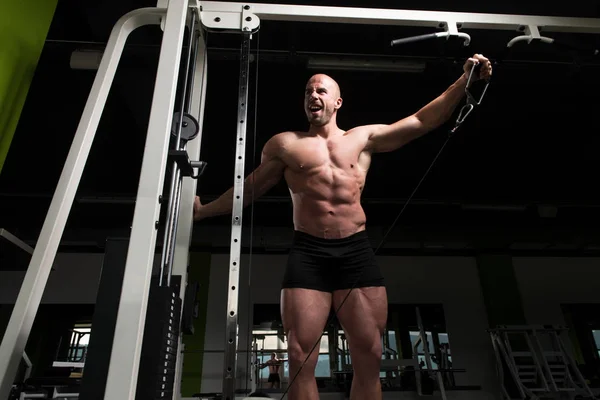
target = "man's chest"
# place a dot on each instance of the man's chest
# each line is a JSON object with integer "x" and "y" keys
{"x": 306, "y": 154}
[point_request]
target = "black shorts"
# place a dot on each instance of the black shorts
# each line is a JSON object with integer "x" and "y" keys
{"x": 327, "y": 265}
{"x": 273, "y": 378}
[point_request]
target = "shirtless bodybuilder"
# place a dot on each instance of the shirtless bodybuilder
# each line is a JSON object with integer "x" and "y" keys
{"x": 273, "y": 364}
{"x": 325, "y": 169}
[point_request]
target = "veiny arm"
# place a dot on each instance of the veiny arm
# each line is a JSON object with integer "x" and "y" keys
{"x": 384, "y": 138}
{"x": 263, "y": 178}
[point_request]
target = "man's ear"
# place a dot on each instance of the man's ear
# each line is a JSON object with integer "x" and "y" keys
{"x": 338, "y": 103}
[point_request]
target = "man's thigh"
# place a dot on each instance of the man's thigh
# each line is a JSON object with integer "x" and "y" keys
{"x": 304, "y": 313}
{"x": 363, "y": 315}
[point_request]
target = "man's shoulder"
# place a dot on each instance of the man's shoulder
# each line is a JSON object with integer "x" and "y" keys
{"x": 288, "y": 135}
{"x": 283, "y": 139}
{"x": 362, "y": 130}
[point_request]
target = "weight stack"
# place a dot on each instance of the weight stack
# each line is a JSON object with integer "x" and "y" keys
{"x": 159, "y": 349}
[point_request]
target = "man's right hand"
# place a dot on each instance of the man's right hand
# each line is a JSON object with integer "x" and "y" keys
{"x": 197, "y": 207}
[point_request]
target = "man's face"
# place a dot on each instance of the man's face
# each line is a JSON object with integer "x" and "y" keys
{"x": 321, "y": 99}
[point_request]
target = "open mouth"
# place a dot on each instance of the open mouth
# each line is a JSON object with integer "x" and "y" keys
{"x": 315, "y": 108}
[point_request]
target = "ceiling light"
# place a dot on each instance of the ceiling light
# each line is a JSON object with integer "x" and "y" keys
{"x": 364, "y": 64}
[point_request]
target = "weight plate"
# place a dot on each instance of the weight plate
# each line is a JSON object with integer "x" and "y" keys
{"x": 189, "y": 126}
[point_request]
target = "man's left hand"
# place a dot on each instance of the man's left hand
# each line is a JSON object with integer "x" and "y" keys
{"x": 485, "y": 72}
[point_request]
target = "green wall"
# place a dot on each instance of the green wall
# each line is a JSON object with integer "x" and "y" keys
{"x": 191, "y": 379}
{"x": 24, "y": 25}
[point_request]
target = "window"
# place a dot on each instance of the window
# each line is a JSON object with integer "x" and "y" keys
{"x": 334, "y": 362}
{"x": 444, "y": 349}
{"x": 392, "y": 341}
{"x": 73, "y": 346}
{"x": 269, "y": 341}
{"x": 80, "y": 338}
{"x": 596, "y": 334}
{"x": 389, "y": 349}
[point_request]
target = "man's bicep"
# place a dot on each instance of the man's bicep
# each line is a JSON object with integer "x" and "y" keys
{"x": 270, "y": 171}
{"x": 384, "y": 138}
{"x": 267, "y": 174}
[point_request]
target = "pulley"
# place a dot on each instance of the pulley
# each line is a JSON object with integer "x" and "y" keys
{"x": 189, "y": 126}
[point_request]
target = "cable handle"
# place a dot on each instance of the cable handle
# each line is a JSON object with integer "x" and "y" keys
{"x": 418, "y": 38}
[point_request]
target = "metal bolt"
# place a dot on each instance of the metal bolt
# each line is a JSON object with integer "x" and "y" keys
{"x": 217, "y": 19}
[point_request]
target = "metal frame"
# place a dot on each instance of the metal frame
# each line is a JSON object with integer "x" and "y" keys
{"x": 241, "y": 17}
{"x": 29, "y": 366}
{"x": 188, "y": 191}
{"x": 228, "y": 15}
{"x": 423, "y": 339}
{"x": 15, "y": 240}
{"x": 542, "y": 342}
{"x": 231, "y": 332}
{"x": 123, "y": 371}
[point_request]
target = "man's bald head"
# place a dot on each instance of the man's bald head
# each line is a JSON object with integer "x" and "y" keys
{"x": 322, "y": 99}
{"x": 327, "y": 81}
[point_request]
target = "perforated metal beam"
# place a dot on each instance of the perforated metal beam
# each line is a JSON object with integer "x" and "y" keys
{"x": 229, "y": 16}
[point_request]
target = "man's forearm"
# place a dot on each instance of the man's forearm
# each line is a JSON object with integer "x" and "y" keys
{"x": 221, "y": 206}
{"x": 441, "y": 109}
{"x": 224, "y": 203}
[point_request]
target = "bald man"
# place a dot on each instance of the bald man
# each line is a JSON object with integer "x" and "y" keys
{"x": 325, "y": 169}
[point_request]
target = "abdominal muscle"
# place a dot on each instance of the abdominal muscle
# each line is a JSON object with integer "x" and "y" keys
{"x": 326, "y": 201}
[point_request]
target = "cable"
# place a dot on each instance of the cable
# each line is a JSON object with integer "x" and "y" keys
{"x": 459, "y": 122}
{"x": 249, "y": 336}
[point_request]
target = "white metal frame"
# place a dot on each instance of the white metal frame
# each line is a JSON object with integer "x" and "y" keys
{"x": 188, "y": 192}
{"x": 129, "y": 330}
{"x": 229, "y": 16}
{"x": 15, "y": 240}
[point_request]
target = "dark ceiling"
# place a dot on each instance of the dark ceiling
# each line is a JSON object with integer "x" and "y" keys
{"x": 533, "y": 141}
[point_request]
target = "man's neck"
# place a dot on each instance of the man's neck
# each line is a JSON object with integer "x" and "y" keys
{"x": 326, "y": 130}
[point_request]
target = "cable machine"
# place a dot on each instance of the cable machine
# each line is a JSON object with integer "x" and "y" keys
{"x": 230, "y": 18}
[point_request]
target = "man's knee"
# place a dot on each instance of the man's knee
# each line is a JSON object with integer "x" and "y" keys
{"x": 298, "y": 352}
{"x": 366, "y": 364}
{"x": 367, "y": 351}
{"x": 372, "y": 351}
